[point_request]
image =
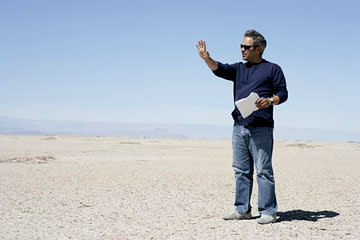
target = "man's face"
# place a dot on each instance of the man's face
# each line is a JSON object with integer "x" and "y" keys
{"x": 250, "y": 54}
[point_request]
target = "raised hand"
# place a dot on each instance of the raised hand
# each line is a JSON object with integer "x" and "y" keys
{"x": 201, "y": 47}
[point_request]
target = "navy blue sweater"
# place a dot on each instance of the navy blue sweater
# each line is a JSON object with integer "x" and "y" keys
{"x": 264, "y": 78}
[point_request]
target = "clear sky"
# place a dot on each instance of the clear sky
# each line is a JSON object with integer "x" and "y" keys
{"x": 136, "y": 61}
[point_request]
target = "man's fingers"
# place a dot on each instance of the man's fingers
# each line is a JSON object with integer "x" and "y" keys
{"x": 260, "y": 100}
{"x": 262, "y": 103}
{"x": 201, "y": 44}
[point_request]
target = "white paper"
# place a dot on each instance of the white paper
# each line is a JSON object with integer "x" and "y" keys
{"x": 247, "y": 105}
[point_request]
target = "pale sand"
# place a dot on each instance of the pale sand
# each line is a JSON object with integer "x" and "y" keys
{"x": 71, "y": 187}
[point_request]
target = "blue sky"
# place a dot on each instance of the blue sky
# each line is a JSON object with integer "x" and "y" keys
{"x": 136, "y": 61}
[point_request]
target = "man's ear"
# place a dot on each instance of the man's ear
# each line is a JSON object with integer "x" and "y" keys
{"x": 258, "y": 49}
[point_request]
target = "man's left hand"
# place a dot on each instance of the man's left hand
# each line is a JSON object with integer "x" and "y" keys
{"x": 263, "y": 103}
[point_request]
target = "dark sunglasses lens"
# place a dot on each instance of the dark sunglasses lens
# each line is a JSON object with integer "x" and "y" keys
{"x": 246, "y": 47}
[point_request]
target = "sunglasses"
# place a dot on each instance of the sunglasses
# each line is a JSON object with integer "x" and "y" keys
{"x": 247, "y": 47}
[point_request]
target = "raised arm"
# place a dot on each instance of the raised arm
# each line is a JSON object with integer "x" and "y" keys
{"x": 201, "y": 47}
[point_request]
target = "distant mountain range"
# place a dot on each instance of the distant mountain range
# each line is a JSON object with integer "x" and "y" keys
{"x": 10, "y": 125}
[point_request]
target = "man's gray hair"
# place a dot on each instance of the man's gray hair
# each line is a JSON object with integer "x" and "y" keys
{"x": 259, "y": 39}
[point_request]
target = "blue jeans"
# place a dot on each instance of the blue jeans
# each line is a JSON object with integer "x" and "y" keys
{"x": 253, "y": 145}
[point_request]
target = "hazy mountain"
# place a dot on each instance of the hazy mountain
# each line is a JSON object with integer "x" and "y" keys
{"x": 23, "y": 126}
{"x": 9, "y": 125}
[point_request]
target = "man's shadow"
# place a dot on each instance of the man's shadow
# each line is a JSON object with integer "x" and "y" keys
{"x": 304, "y": 215}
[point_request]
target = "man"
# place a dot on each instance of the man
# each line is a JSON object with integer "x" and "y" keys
{"x": 252, "y": 140}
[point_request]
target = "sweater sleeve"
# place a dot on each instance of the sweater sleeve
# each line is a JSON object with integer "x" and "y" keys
{"x": 226, "y": 71}
{"x": 279, "y": 85}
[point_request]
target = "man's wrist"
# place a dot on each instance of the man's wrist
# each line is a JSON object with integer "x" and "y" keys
{"x": 271, "y": 101}
{"x": 207, "y": 59}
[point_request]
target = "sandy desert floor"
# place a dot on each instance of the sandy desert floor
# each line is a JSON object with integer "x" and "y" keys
{"x": 74, "y": 187}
